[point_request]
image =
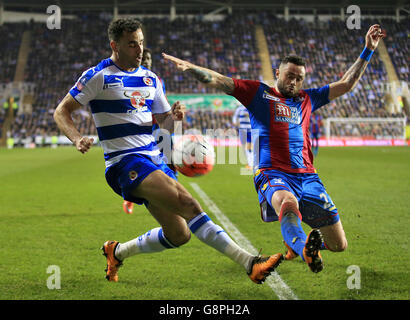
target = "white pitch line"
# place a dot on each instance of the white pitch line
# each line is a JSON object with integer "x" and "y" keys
{"x": 276, "y": 283}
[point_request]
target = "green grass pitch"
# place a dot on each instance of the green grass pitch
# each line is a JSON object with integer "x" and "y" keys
{"x": 56, "y": 209}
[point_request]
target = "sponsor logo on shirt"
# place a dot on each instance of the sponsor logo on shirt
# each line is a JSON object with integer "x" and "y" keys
{"x": 285, "y": 113}
{"x": 117, "y": 84}
{"x": 84, "y": 79}
{"x": 81, "y": 83}
{"x": 278, "y": 181}
{"x": 268, "y": 96}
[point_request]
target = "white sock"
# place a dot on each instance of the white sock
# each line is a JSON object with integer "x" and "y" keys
{"x": 152, "y": 241}
{"x": 214, "y": 236}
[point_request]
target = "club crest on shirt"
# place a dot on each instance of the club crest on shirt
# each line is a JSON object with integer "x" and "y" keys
{"x": 137, "y": 99}
{"x": 285, "y": 113}
{"x": 148, "y": 81}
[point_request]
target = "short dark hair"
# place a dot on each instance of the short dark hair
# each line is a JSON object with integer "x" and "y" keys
{"x": 117, "y": 27}
{"x": 298, "y": 60}
{"x": 146, "y": 50}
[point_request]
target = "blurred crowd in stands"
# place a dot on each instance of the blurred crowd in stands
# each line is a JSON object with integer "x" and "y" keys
{"x": 58, "y": 57}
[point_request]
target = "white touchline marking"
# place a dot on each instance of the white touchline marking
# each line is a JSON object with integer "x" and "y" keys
{"x": 278, "y": 286}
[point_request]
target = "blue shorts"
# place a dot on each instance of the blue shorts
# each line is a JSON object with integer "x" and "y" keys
{"x": 315, "y": 205}
{"x": 245, "y": 136}
{"x": 126, "y": 175}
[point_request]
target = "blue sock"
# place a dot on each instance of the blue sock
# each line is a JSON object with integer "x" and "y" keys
{"x": 293, "y": 233}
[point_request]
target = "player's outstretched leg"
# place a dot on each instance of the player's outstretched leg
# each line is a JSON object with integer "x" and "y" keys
{"x": 155, "y": 240}
{"x": 290, "y": 223}
{"x": 170, "y": 196}
{"x": 257, "y": 267}
{"x": 296, "y": 241}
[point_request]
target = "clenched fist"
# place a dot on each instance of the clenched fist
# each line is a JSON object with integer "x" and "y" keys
{"x": 178, "y": 111}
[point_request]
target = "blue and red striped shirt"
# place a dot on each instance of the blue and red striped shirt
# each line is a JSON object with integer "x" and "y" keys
{"x": 280, "y": 126}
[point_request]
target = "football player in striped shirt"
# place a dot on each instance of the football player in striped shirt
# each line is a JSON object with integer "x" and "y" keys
{"x": 123, "y": 97}
{"x": 241, "y": 120}
{"x": 146, "y": 62}
{"x": 286, "y": 181}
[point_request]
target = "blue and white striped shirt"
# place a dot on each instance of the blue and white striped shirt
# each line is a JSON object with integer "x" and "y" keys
{"x": 241, "y": 118}
{"x": 122, "y": 104}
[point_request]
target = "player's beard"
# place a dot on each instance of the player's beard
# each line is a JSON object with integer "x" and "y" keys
{"x": 134, "y": 63}
{"x": 131, "y": 61}
{"x": 287, "y": 93}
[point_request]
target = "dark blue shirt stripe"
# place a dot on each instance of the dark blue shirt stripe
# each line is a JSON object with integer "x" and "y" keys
{"x": 115, "y": 106}
{"x": 122, "y": 130}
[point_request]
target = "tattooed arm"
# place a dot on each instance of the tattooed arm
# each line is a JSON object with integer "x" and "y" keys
{"x": 355, "y": 72}
{"x": 206, "y": 76}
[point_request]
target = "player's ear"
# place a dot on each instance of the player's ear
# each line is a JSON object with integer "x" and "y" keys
{"x": 277, "y": 73}
{"x": 113, "y": 46}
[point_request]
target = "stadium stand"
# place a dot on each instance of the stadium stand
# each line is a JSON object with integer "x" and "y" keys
{"x": 10, "y": 39}
{"x": 204, "y": 43}
{"x": 58, "y": 57}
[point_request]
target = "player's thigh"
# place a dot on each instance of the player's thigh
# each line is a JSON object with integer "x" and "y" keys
{"x": 168, "y": 194}
{"x": 334, "y": 237}
{"x": 173, "y": 225}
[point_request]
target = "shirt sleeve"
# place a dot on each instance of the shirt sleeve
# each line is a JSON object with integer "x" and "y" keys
{"x": 245, "y": 90}
{"x": 160, "y": 103}
{"x": 87, "y": 87}
{"x": 318, "y": 96}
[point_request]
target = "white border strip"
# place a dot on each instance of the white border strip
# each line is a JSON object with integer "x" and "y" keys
{"x": 278, "y": 286}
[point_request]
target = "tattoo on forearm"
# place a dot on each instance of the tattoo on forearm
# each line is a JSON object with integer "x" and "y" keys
{"x": 355, "y": 71}
{"x": 227, "y": 85}
{"x": 201, "y": 75}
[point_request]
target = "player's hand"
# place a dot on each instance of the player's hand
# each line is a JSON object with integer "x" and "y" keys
{"x": 373, "y": 36}
{"x": 84, "y": 144}
{"x": 178, "y": 111}
{"x": 180, "y": 64}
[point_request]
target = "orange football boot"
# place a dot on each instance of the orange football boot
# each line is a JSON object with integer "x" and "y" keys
{"x": 311, "y": 251}
{"x": 128, "y": 206}
{"x": 290, "y": 253}
{"x": 113, "y": 264}
{"x": 262, "y": 266}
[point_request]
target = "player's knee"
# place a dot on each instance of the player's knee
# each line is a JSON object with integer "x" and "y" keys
{"x": 289, "y": 207}
{"x": 284, "y": 200}
{"x": 180, "y": 238}
{"x": 338, "y": 246}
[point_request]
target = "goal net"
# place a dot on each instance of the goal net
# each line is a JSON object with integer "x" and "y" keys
{"x": 365, "y": 129}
